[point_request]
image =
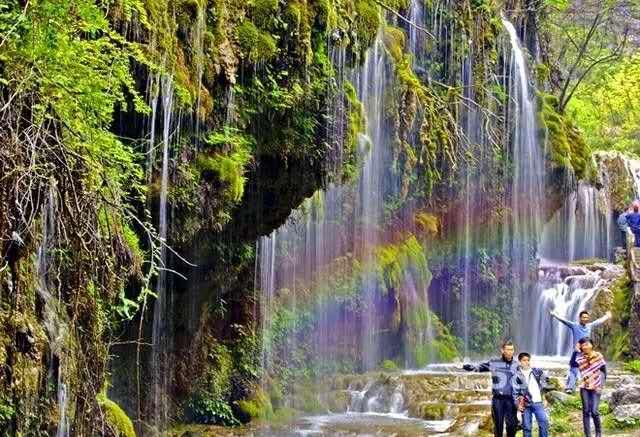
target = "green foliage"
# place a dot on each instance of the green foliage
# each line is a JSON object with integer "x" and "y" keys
{"x": 389, "y": 366}
{"x": 632, "y": 366}
{"x": 560, "y": 415}
{"x": 117, "y": 420}
{"x": 229, "y": 167}
{"x": 613, "y": 424}
{"x": 7, "y": 411}
{"x": 618, "y": 345}
{"x": 603, "y": 107}
{"x": 211, "y": 411}
{"x": 264, "y": 11}
{"x": 209, "y": 403}
{"x": 487, "y": 327}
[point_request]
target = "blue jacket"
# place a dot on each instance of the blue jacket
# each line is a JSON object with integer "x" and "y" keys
{"x": 521, "y": 385}
{"x": 633, "y": 220}
{"x": 580, "y": 331}
{"x": 622, "y": 222}
{"x": 502, "y": 372}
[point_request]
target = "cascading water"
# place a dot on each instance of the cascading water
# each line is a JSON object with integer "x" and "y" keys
{"x": 567, "y": 291}
{"x": 54, "y": 317}
{"x": 580, "y": 229}
{"x": 526, "y": 196}
{"x": 330, "y": 249}
{"x": 161, "y": 313}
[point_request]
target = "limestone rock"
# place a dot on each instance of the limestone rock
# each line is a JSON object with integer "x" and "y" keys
{"x": 629, "y": 394}
{"x": 626, "y": 413}
{"x": 558, "y": 396}
{"x": 627, "y": 380}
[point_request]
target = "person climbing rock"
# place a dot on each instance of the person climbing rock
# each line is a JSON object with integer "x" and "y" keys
{"x": 579, "y": 330}
{"x": 593, "y": 371}
{"x": 503, "y": 410}
{"x": 623, "y": 226}
{"x": 529, "y": 384}
{"x": 633, "y": 220}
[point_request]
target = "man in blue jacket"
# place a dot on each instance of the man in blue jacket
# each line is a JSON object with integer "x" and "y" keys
{"x": 579, "y": 330}
{"x": 633, "y": 220}
{"x": 529, "y": 385}
{"x": 503, "y": 369}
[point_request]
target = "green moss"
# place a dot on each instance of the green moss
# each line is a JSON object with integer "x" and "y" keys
{"x": 117, "y": 420}
{"x": 618, "y": 343}
{"x": 394, "y": 259}
{"x": 432, "y": 410}
{"x": 256, "y": 45}
{"x": 258, "y": 406}
{"x": 367, "y": 21}
{"x": 264, "y": 11}
{"x": 565, "y": 144}
{"x": 356, "y": 127}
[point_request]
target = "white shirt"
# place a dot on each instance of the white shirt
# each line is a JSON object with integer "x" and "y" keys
{"x": 534, "y": 388}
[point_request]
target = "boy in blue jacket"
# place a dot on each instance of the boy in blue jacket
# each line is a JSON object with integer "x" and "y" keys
{"x": 529, "y": 385}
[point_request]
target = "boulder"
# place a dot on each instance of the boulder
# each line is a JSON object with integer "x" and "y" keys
{"x": 629, "y": 394}
{"x": 558, "y": 396}
{"x": 627, "y": 413}
{"x": 627, "y": 380}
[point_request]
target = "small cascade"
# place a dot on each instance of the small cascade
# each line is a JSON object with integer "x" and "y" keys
{"x": 416, "y": 37}
{"x": 54, "y": 315}
{"x": 337, "y": 110}
{"x": 153, "y": 93}
{"x": 581, "y": 229}
{"x": 378, "y": 397}
{"x": 566, "y": 291}
{"x": 63, "y": 423}
{"x": 162, "y": 329}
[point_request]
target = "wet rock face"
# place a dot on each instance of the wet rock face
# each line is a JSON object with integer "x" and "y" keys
{"x": 617, "y": 174}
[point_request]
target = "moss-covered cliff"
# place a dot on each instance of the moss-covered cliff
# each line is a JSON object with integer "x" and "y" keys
{"x": 256, "y": 106}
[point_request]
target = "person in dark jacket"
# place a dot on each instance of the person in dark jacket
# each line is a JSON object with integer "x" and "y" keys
{"x": 503, "y": 369}
{"x": 529, "y": 385}
{"x": 633, "y": 220}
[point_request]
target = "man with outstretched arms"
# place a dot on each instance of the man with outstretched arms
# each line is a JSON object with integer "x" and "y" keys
{"x": 503, "y": 410}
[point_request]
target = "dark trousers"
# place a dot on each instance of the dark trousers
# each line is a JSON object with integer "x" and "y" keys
{"x": 503, "y": 410}
{"x": 590, "y": 403}
{"x": 636, "y": 236}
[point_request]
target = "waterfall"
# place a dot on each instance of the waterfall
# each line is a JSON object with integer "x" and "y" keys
{"x": 526, "y": 195}
{"x": 153, "y": 91}
{"x": 161, "y": 331}
{"x": 581, "y": 229}
{"x": 567, "y": 291}
{"x": 329, "y": 249}
{"x": 54, "y": 315}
